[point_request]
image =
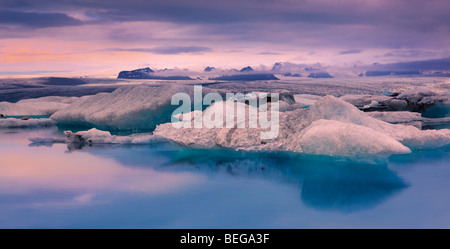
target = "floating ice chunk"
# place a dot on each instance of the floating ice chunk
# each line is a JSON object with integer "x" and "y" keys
{"x": 399, "y": 117}
{"x": 386, "y": 92}
{"x": 343, "y": 129}
{"x": 398, "y": 105}
{"x": 362, "y": 100}
{"x": 127, "y": 108}
{"x": 330, "y": 137}
{"x": 283, "y": 95}
{"x": 407, "y": 118}
{"x": 39, "y": 106}
{"x": 287, "y": 97}
{"x": 94, "y": 136}
{"x": 306, "y": 99}
{"x": 424, "y": 98}
{"x": 415, "y": 95}
{"x": 332, "y": 108}
{"x": 371, "y": 105}
{"x": 415, "y": 138}
{"x": 376, "y": 102}
{"x": 53, "y": 99}
{"x": 30, "y": 123}
{"x": 213, "y": 131}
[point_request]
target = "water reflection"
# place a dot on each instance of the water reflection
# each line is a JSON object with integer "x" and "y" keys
{"x": 46, "y": 177}
{"x": 325, "y": 183}
{"x": 349, "y": 187}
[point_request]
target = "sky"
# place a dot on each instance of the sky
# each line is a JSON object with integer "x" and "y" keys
{"x": 97, "y": 37}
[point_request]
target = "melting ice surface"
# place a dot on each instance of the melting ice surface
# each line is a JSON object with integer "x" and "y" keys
{"x": 167, "y": 186}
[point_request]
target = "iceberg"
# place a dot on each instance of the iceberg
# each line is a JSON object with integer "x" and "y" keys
{"x": 306, "y": 99}
{"x": 94, "y": 136}
{"x": 416, "y": 95}
{"x": 330, "y": 137}
{"x": 44, "y": 106}
{"x": 211, "y": 137}
{"x": 132, "y": 108}
{"x": 410, "y": 118}
{"x": 332, "y": 108}
{"x": 373, "y": 104}
{"x": 364, "y": 100}
{"x": 283, "y": 95}
{"x": 140, "y": 107}
{"x": 419, "y": 99}
{"x": 331, "y": 126}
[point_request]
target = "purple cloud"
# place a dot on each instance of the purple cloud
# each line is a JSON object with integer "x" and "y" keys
{"x": 382, "y": 29}
{"x": 351, "y": 51}
{"x": 37, "y": 20}
{"x": 164, "y": 49}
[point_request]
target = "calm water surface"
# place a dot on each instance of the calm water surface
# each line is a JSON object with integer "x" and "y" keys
{"x": 164, "y": 186}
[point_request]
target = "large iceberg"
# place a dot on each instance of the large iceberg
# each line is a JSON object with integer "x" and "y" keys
{"x": 330, "y": 137}
{"x": 45, "y": 106}
{"x": 143, "y": 107}
{"x": 128, "y": 108}
{"x": 334, "y": 109}
{"x": 211, "y": 135}
{"x": 331, "y": 126}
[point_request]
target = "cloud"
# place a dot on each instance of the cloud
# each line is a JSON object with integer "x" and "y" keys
{"x": 352, "y": 51}
{"x": 257, "y": 30}
{"x": 269, "y": 53}
{"x": 434, "y": 64}
{"x": 414, "y": 14}
{"x": 164, "y": 50}
{"x": 32, "y": 72}
{"x": 381, "y": 23}
{"x": 180, "y": 50}
{"x": 37, "y": 20}
{"x": 410, "y": 53}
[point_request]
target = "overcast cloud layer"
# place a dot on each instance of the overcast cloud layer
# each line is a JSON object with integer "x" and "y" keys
{"x": 105, "y": 36}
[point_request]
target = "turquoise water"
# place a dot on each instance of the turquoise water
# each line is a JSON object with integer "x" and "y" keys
{"x": 165, "y": 186}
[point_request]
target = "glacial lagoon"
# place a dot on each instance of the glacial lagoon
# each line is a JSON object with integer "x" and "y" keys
{"x": 167, "y": 186}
